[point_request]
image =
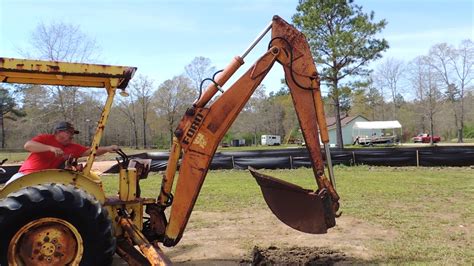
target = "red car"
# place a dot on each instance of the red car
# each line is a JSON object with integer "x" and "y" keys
{"x": 426, "y": 138}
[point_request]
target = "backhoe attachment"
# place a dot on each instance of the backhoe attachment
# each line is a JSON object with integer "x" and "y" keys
{"x": 204, "y": 125}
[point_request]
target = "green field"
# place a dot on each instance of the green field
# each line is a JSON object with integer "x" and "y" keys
{"x": 431, "y": 209}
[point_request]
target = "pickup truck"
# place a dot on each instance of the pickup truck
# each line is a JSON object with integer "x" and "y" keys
{"x": 426, "y": 138}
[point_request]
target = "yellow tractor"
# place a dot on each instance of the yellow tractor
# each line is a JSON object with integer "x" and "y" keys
{"x": 63, "y": 217}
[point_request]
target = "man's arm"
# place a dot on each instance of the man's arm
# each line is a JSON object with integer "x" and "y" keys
{"x": 101, "y": 150}
{"x": 34, "y": 146}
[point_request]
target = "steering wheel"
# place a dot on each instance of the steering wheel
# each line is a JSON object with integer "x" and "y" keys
{"x": 123, "y": 160}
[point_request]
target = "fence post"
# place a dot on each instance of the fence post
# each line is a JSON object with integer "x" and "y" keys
{"x": 291, "y": 162}
{"x": 353, "y": 157}
{"x": 417, "y": 158}
{"x": 233, "y": 163}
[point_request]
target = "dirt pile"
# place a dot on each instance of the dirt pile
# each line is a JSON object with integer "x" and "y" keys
{"x": 296, "y": 256}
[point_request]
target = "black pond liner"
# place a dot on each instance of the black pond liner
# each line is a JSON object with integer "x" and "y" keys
{"x": 299, "y": 157}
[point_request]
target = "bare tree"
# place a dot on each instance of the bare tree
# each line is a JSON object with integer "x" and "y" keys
{"x": 171, "y": 100}
{"x": 198, "y": 70}
{"x": 455, "y": 67}
{"x": 142, "y": 89}
{"x": 374, "y": 100}
{"x": 8, "y": 110}
{"x": 41, "y": 113}
{"x": 462, "y": 60}
{"x": 378, "y": 85}
{"x": 289, "y": 120}
{"x": 440, "y": 55}
{"x": 425, "y": 80}
{"x": 274, "y": 115}
{"x": 365, "y": 99}
{"x": 251, "y": 119}
{"x": 417, "y": 73}
{"x": 60, "y": 41}
{"x": 388, "y": 75}
{"x": 128, "y": 106}
{"x": 433, "y": 95}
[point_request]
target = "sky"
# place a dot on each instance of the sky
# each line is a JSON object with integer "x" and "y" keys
{"x": 161, "y": 37}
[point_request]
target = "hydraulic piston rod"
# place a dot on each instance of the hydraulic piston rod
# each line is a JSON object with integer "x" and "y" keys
{"x": 228, "y": 71}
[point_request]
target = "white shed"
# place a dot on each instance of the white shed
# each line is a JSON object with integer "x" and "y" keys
{"x": 347, "y": 124}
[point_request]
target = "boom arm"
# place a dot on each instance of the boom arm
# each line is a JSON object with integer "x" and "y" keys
{"x": 202, "y": 128}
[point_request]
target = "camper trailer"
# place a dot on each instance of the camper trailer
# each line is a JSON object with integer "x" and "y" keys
{"x": 271, "y": 140}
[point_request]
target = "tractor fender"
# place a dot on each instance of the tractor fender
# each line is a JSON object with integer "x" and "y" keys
{"x": 58, "y": 176}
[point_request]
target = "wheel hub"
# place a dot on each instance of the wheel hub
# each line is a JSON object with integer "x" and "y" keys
{"x": 46, "y": 241}
{"x": 47, "y": 249}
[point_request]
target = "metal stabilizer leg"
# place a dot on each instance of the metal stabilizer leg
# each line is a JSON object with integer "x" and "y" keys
{"x": 152, "y": 253}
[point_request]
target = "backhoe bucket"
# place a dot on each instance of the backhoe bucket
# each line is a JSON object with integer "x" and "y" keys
{"x": 301, "y": 209}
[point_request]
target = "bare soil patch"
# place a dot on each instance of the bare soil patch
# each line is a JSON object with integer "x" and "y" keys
{"x": 257, "y": 237}
{"x": 297, "y": 256}
{"x": 102, "y": 166}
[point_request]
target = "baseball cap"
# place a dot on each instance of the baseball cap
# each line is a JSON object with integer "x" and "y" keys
{"x": 65, "y": 126}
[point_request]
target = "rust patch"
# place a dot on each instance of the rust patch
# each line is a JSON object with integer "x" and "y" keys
{"x": 55, "y": 243}
{"x": 53, "y": 68}
{"x": 152, "y": 253}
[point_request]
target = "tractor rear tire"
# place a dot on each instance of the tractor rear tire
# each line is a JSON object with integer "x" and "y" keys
{"x": 55, "y": 223}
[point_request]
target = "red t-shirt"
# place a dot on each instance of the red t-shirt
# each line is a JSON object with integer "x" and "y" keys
{"x": 47, "y": 160}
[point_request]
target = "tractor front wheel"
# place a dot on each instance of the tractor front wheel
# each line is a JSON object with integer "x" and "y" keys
{"x": 54, "y": 224}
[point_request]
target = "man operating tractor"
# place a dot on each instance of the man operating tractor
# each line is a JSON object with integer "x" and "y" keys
{"x": 51, "y": 151}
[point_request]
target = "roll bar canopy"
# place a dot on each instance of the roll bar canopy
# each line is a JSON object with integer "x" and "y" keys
{"x": 27, "y": 71}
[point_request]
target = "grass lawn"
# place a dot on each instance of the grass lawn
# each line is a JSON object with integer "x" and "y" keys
{"x": 431, "y": 209}
{"x": 13, "y": 156}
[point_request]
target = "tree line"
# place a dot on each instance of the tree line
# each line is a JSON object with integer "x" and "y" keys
{"x": 432, "y": 93}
